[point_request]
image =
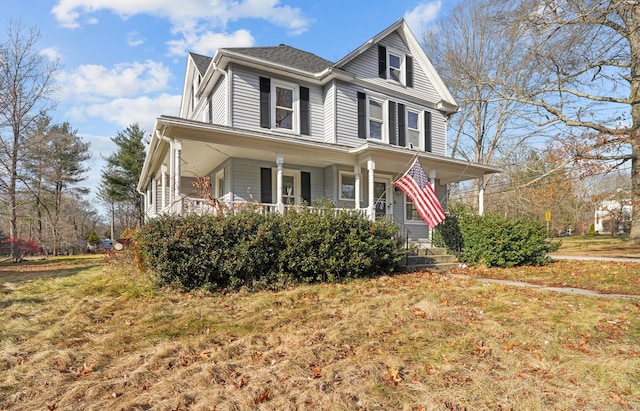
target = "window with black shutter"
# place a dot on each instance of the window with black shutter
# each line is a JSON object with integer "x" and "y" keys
{"x": 265, "y": 102}
{"x": 266, "y": 195}
{"x": 427, "y": 131}
{"x": 362, "y": 115}
{"x": 305, "y": 127}
{"x": 393, "y": 129}
{"x": 305, "y": 187}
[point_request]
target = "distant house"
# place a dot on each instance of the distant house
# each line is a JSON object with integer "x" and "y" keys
{"x": 613, "y": 217}
{"x": 284, "y": 127}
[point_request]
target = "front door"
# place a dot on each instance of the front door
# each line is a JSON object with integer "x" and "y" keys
{"x": 382, "y": 198}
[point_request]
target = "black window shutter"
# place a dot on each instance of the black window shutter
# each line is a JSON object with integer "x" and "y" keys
{"x": 266, "y": 196}
{"x": 265, "y": 102}
{"x": 393, "y": 129}
{"x": 427, "y": 131}
{"x": 409, "y": 70}
{"x": 382, "y": 61}
{"x": 304, "y": 111}
{"x": 305, "y": 187}
{"x": 362, "y": 115}
{"x": 402, "y": 127}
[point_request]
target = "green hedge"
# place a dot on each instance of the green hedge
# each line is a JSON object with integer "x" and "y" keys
{"x": 247, "y": 248}
{"x": 495, "y": 241}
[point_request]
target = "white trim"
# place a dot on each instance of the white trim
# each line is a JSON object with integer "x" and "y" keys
{"x": 295, "y": 120}
{"x": 384, "y": 133}
{"x": 297, "y": 186}
{"x": 341, "y": 174}
{"x": 219, "y": 192}
{"x": 388, "y": 194}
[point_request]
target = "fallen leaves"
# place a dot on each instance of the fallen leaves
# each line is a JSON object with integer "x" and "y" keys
{"x": 264, "y": 396}
{"x": 86, "y": 369}
{"x": 392, "y": 377}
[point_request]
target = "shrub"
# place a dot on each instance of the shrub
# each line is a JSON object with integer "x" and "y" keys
{"x": 332, "y": 246}
{"x": 495, "y": 241}
{"x": 249, "y": 248}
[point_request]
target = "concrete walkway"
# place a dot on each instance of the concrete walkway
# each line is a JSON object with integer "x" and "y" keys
{"x": 595, "y": 258}
{"x": 562, "y": 290}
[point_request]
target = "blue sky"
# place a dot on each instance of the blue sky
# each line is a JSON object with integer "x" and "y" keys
{"x": 124, "y": 60}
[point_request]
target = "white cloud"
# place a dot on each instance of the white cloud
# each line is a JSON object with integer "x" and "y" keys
{"x": 422, "y": 15}
{"x": 134, "y": 39}
{"x": 190, "y": 19}
{"x": 51, "y": 53}
{"x": 126, "y": 111}
{"x": 208, "y": 42}
{"x": 89, "y": 81}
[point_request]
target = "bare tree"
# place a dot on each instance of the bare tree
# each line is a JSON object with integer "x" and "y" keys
{"x": 26, "y": 91}
{"x": 469, "y": 50}
{"x": 582, "y": 70}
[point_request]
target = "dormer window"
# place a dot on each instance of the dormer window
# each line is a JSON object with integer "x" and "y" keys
{"x": 395, "y": 66}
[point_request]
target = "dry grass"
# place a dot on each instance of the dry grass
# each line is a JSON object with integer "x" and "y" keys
{"x": 598, "y": 246}
{"x": 105, "y": 338}
{"x": 608, "y": 277}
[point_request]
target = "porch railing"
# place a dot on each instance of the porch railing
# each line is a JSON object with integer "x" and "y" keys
{"x": 191, "y": 205}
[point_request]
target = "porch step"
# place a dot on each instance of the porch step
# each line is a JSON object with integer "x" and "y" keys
{"x": 432, "y": 258}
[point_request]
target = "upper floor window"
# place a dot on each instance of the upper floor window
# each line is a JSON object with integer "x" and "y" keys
{"x": 371, "y": 117}
{"x": 376, "y": 119}
{"x": 396, "y": 66}
{"x": 284, "y": 106}
{"x": 413, "y": 128}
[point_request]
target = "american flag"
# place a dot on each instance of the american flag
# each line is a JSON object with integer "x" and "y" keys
{"x": 416, "y": 186}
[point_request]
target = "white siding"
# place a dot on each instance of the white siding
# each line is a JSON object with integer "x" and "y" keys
{"x": 246, "y": 179}
{"x": 347, "y": 115}
{"x": 365, "y": 67}
{"x": 219, "y": 102}
{"x": 438, "y": 133}
{"x": 246, "y": 101}
{"x": 245, "y": 97}
{"x": 330, "y": 113}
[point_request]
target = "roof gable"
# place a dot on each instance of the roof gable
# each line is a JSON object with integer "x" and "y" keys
{"x": 284, "y": 55}
{"x": 201, "y": 62}
{"x": 421, "y": 60}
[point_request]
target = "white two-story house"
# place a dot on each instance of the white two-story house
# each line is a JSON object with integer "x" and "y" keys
{"x": 281, "y": 126}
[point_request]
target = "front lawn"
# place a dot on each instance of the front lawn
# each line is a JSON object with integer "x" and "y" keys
{"x": 103, "y": 337}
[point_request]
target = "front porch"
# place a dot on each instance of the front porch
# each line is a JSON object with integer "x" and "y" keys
{"x": 279, "y": 172}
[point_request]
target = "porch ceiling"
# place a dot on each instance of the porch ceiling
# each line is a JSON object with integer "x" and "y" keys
{"x": 205, "y": 146}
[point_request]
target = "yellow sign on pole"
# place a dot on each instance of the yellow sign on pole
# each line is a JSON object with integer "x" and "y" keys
{"x": 548, "y": 217}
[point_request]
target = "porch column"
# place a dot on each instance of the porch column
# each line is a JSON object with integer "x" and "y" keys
{"x": 279, "y": 163}
{"x": 357, "y": 171}
{"x": 371, "y": 207}
{"x": 154, "y": 196}
{"x": 481, "y": 195}
{"x": 177, "y": 151}
{"x": 172, "y": 171}
{"x": 163, "y": 202}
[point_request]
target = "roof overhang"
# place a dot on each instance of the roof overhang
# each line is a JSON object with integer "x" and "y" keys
{"x": 205, "y": 145}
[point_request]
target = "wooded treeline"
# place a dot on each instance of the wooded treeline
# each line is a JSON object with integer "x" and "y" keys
{"x": 45, "y": 206}
{"x": 550, "y": 91}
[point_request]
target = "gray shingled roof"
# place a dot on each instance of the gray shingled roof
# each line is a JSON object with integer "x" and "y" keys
{"x": 286, "y": 56}
{"x": 202, "y": 62}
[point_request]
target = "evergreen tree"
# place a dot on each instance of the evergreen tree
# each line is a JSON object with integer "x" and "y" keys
{"x": 120, "y": 175}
